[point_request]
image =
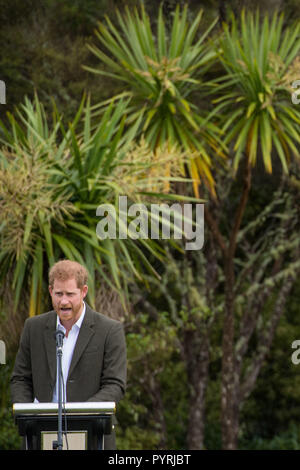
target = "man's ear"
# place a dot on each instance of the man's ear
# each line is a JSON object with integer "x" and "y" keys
{"x": 85, "y": 290}
{"x": 50, "y": 290}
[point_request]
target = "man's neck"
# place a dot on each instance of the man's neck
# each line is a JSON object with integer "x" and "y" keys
{"x": 67, "y": 324}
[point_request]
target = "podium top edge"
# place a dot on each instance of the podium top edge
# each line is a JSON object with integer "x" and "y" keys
{"x": 105, "y": 407}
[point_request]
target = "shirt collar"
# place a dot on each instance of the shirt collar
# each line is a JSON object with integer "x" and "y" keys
{"x": 78, "y": 323}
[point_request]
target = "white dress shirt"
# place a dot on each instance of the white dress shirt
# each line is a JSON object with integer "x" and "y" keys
{"x": 68, "y": 349}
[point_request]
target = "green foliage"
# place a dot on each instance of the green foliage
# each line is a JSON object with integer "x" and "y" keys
{"x": 147, "y": 438}
{"x": 9, "y": 437}
{"x": 175, "y": 393}
{"x": 260, "y": 63}
{"x": 64, "y": 175}
{"x": 43, "y": 47}
{"x": 272, "y": 410}
{"x": 288, "y": 440}
{"x": 156, "y": 375}
{"x": 77, "y": 16}
{"x": 160, "y": 70}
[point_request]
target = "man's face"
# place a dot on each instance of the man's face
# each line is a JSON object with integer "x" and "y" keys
{"x": 67, "y": 299}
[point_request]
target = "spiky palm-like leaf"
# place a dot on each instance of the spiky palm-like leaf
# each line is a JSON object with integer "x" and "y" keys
{"x": 160, "y": 70}
{"x": 52, "y": 179}
{"x": 260, "y": 62}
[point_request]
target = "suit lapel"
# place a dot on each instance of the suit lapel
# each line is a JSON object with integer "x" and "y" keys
{"x": 85, "y": 334}
{"x": 50, "y": 344}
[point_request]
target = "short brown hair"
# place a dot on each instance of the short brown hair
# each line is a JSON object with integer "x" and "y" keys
{"x": 65, "y": 269}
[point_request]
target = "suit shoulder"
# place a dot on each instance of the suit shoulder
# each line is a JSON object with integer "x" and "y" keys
{"x": 41, "y": 319}
{"x": 103, "y": 319}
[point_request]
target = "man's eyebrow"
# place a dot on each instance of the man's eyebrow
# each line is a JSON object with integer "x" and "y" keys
{"x": 67, "y": 292}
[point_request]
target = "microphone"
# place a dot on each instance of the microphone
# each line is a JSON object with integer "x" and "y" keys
{"x": 59, "y": 336}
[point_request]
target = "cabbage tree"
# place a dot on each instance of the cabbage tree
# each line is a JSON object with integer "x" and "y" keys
{"x": 253, "y": 100}
{"x": 52, "y": 180}
{"x": 160, "y": 71}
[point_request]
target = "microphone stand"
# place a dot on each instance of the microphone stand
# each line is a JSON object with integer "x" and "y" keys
{"x": 59, "y": 344}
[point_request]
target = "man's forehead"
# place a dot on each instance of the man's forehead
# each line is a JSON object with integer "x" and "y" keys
{"x": 66, "y": 285}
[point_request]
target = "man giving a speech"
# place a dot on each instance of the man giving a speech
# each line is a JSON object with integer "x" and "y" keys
{"x": 94, "y": 348}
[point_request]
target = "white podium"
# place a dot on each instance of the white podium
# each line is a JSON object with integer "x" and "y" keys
{"x": 84, "y": 424}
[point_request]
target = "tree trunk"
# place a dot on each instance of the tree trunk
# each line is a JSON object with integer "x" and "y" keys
{"x": 158, "y": 410}
{"x": 230, "y": 378}
{"x": 196, "y": 356}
